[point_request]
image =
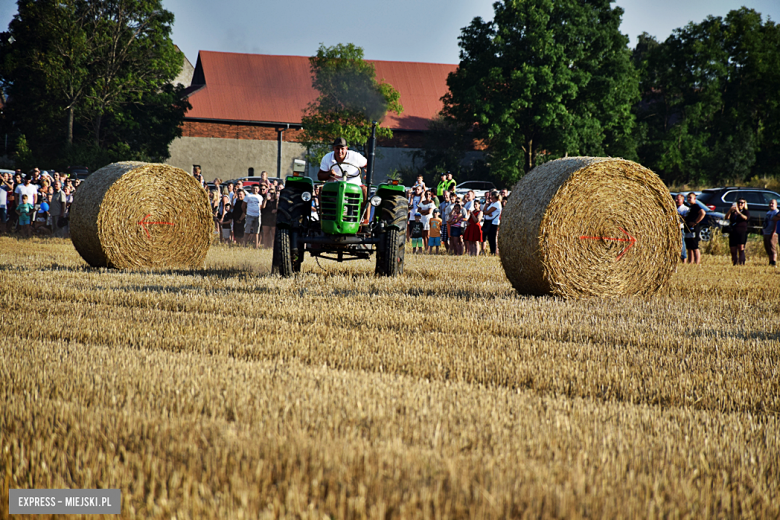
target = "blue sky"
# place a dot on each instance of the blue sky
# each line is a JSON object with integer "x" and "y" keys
{"x": 401, "y": 30}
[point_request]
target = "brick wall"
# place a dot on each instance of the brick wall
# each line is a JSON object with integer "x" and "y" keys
{"x": 227, "y": 130}
{"x": 237, "y": 131}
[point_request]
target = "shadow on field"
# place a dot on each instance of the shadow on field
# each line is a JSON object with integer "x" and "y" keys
{"x": 709, "y": 335}
{"x": 219, "y": 272}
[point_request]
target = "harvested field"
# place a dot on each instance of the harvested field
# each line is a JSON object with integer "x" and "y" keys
{"x": 224, "y": 392}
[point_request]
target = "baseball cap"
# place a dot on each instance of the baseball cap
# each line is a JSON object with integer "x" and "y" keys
{"x": 340, "y": 141}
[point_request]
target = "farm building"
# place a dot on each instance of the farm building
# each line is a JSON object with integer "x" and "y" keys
{"x": 247, "y": 108}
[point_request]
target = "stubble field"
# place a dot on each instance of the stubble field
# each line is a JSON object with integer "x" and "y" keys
{"x": 229, "y": 393}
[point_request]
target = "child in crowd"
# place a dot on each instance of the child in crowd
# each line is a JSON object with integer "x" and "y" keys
{"x": 25, "y": 211}
{"x": 416, "y": 232}
{"x": 225, "y": 222}
{"x": 434, "y": 233}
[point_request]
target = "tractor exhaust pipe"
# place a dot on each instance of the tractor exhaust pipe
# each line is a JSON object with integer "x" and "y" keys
{"x": 371, "y": 155}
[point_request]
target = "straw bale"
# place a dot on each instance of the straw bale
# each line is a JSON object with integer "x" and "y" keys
{"x": 141, "y": 215}
{"x": 567, "y": 230}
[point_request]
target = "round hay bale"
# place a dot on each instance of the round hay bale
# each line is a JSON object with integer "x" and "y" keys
{"x": 589, "y": 226}
{"x": 134, "y": 214}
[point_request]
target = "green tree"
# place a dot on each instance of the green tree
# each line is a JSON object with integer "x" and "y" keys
{"x": 350, "y": 99}
{"x": 78, "y": 71}
{"x": 709, "y": 110}
{"x": 544, "y": 79}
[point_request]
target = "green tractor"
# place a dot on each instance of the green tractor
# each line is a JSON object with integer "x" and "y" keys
{"x": 335, "y": 232}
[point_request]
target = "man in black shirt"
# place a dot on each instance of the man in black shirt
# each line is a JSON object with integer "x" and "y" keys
{"x": 693, "y": 224}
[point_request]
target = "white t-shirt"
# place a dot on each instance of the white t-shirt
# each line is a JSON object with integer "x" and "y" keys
{"x": 349, "y": 170}
{"x": 469, "y": 205}
{"x": 31, "y": 191}
{"x": 253, "y": 204}
{"x": 683, "y": 210}
{"x": 415, "y": 204}
{"x": 495, "y": 217}
{"x": 426, "y": 218}
{"x": 3, "y": 198}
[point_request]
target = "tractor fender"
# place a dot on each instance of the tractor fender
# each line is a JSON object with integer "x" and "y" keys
{"x": 291, "y": 208}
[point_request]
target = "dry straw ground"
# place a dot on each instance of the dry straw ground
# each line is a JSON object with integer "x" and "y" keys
{"x": 228, "y": 393}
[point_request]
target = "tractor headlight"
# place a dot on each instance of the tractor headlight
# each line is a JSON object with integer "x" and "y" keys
{"x": 305, "y": 196}
{"x": 376, "y": 200}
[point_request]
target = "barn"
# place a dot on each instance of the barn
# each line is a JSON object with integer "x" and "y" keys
{"x": 247, "y": 108}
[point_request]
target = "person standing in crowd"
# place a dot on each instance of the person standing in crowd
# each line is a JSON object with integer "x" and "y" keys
{"x": 450, "y": 182}
{"x": 231, "y": 193}
{"x": 682, "y": 210}
{"x": 315, "y": 204}
{"x": 693, "y": 229}
{"x": 214, "y": 201}
{"x": 457, "y": 221}
{"x": 3, "y": 204}
{"x": 25, "y": 211}
{"x": 41, "y": 218}
{"x": 225, "y": 219}
{"x": 493, "y": 209}
{"x": 434, "y": 233}
{"x": 28, "y": 189}
{"x": 738, "y": 216}
{"x": 473, "y": 234}
{"x": 421, "y": 183}
{"x": 264, "y": 178}
{"x": 415, "y": 197}
{"x": 416, "y": 231}
{"x": 239, "y": 217}
{"x": 444, "y": 212}
{"x": 770, "y": 232}
{"x": 268, "y": 219}
{"x": 441, "y": 188}
{"x": 57, "y": 209}
{"x": 252, "y": 206}
{"x": 468, "y": 200}
{"x": 425, "y": 208}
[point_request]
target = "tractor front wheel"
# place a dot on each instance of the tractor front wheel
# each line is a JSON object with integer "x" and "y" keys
{"x": 285, "y": 261}
{"x": 391, "y": 262}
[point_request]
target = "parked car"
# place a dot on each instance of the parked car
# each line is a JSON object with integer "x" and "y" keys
{"x": 256, "y": 179}
{"x": 721, "y": 199}
{"x": 77, "y": 172}
{"x": 713, "y": 220}
{"x": 480, "y": 188}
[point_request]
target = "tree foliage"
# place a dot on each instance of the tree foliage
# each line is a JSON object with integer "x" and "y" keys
{"x": 543, "y": 79}
{"x": 350, "y": 98}
{"x": 82, "y": 76}
{"x": 710, "y": 111}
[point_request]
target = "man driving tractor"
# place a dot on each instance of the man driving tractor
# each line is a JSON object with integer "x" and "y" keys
{"x": 343, "y": 164}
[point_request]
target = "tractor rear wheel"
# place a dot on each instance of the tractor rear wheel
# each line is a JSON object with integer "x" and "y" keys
{"x": 283, "y": 262}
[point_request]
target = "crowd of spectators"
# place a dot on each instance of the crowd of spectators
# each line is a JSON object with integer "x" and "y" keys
{"x": 691, "y": 218}
{"x": 458, "y": 224}
{"x": 244, "y": 215}
{"x": 36, "y": 203}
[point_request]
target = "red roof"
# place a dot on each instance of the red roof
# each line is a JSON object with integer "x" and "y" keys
{"x": 276, "y": 89}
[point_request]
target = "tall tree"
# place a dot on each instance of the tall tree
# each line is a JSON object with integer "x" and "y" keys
{"x": 709, "y": 110}
{"x": 67, "y": 65}
{"x": 350, "y": 98}
{"x": 543, "y": 79}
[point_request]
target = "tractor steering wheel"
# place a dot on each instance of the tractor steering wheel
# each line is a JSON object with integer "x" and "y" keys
{"x": 345, "y": 175}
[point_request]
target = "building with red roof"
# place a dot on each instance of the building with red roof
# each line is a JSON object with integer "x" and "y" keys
{"x": 247, "y": 109}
